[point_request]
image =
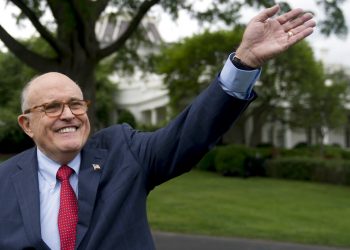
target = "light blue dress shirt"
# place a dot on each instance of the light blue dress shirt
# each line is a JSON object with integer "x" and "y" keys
{"x": 49, "y": 189}
{"x": 231, "y": 80}
{"x": 236, "y": 82}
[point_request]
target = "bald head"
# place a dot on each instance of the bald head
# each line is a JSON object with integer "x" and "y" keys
{"x": 36, "y": 87}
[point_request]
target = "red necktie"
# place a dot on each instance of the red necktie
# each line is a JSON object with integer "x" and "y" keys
{"x": 68, "y": 212}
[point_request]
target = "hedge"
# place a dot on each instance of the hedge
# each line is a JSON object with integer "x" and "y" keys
{"x": 236, "y": 160}
{"x": 313, "y": 169}
{"x": 303, "y": 163}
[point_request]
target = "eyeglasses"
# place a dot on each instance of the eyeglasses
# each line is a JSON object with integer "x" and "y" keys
{"x": 55, "y": 108}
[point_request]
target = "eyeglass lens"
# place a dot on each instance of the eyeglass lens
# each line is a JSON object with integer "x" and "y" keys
{"x": 77, "y": 107}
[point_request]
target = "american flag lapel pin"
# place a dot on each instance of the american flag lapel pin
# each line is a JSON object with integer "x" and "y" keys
{"x": 96, "y": 167}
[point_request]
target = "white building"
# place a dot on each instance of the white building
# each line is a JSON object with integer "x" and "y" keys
{"x": 144, "y": 95}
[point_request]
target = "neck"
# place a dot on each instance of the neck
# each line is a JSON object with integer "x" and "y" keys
{"x": 61, "y": 158}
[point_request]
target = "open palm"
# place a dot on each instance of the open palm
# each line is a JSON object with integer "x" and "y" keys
{"x": 265, "y": 37}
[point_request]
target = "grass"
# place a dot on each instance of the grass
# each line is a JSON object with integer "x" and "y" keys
{"x": 206, "y": 203}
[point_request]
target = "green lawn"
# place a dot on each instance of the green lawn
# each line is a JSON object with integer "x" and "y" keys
{"x": 206, "y": 203}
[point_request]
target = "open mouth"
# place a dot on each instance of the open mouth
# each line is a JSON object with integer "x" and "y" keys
{"x": 67, "y": 130}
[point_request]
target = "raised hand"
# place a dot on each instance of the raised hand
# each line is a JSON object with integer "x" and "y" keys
{"x": 266, "y": 36}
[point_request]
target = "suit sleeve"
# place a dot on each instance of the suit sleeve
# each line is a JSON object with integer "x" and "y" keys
{"x": 176, "y": 148}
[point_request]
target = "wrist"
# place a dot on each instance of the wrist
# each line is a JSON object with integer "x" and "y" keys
{"x": 239, "y": 64}
{"x": 247, "y": 57}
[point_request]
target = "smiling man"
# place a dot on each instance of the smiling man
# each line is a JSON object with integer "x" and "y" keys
{"x": 62, "y": 129}
{"x": 74, "y": 192}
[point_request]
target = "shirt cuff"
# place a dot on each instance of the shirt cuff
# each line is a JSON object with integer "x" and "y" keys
{"x": 236, "y": 82}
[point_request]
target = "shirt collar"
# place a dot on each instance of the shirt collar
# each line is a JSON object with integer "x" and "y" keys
{"x": 48, "y": 168}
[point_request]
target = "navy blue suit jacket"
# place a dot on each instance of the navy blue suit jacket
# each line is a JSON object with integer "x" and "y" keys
{"x": 112, "y": 201}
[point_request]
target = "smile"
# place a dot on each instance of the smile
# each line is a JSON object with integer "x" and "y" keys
{"x": 67, "y": 130}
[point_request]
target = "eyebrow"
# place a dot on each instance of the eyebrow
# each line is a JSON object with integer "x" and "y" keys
{"x": 71, "y": 99}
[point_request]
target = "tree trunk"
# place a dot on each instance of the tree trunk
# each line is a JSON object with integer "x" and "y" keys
{"x": 88, "y": 85}
{"x": 84, "y": 76}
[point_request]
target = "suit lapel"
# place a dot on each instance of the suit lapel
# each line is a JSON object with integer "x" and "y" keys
{"x": 90, "y": 171}
{"x": 26, "y": 185}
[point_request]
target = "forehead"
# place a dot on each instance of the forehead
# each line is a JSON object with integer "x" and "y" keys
{"x": 53, "y": 86}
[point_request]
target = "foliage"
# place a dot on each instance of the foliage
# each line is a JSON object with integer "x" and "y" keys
{"x": 15, "y": 74}
{"x": 285, "y": 84}
{"x": 105, "y": 95}
{"x": 236, "y": 160}
{"x": 127, "y": 117}
{"x": 284, "y": 81}
{"x": 316, "y": 151}
{"x": 77, "y": 51}
{"x": 297, "y": 168}
{"x": 306, "y": 168}
{"x": 319, "y": 106}
{"x": 312, "y": 163}
{"x": 190, "y": 65}
{"x": 207, "y": 163}
{"x": 230, "y": 160}
{"x": 335, "y": 20}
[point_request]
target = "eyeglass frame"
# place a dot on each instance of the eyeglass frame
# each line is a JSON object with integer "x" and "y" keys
{"x": 43, "y": 106}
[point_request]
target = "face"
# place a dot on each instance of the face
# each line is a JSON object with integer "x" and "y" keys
{"x": 60, "y": 138}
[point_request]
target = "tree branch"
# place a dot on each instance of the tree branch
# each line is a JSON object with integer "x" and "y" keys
{"x": 79, "y": 13}
{"x": 85, "y": 21}
{"x": 38, "y": 26}
{"x": 32, "y": 59}
{"x": 143, "y": 9}
{"x": 99, "y": 6}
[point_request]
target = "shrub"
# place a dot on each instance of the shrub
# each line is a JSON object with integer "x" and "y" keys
{"x": 125, "y": 116}
{"x": 297, "y": 168}
{"x": 236, "y": 160}
{"x": 314, "y": 169}
{"x": 345, "y": 154}
{"x": 230, "y": 160}
{"x": 321, "y": 151}
{"x": 301, "y": 144}
{"x": 331, "y": 152}
{"x": 299, "y": 152}
{"x": 333, "y": 171}
{"x": 208, "y": 161}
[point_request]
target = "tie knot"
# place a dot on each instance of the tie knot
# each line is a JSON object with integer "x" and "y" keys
{"x": 64, "y": 172}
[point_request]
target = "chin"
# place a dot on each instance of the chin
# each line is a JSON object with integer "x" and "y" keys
{"x": 71, "y": 147}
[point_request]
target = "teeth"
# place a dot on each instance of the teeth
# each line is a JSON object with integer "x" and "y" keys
{"x": 67, "y": 130}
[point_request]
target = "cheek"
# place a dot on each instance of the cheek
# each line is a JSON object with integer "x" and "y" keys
{"x": 86, "y": 124}
{"x": 41, "y": 129}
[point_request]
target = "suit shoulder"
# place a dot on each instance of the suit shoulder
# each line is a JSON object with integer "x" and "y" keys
{"x": 112, "y": 134}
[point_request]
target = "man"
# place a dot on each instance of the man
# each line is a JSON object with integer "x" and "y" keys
{"x": 71, "y": 191}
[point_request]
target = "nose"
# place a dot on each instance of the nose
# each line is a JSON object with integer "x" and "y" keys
{"x": 67, "y": 113}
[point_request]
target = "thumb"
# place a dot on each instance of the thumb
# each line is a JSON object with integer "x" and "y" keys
{"x": 267, "y": 13}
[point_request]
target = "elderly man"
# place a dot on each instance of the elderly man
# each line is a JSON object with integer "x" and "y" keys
{"x": 75, "y": 192}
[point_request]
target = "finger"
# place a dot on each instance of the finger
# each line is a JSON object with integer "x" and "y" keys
{"x": 267, "y": 13}
{"x": 289, "y": 16}
{"x": 297, "y": 21}
{"x": 300, "y": 36}
{"x": 300, "y": 28}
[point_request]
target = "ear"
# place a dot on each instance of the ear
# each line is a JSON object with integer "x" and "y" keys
{"x": 24, "y": 122}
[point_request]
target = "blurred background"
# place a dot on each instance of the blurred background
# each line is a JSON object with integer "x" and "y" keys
{"x": 142, "y": 62}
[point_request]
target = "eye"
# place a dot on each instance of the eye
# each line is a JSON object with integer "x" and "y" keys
{"x": 53, "y": 107}
{"x": 76, "y": 104}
